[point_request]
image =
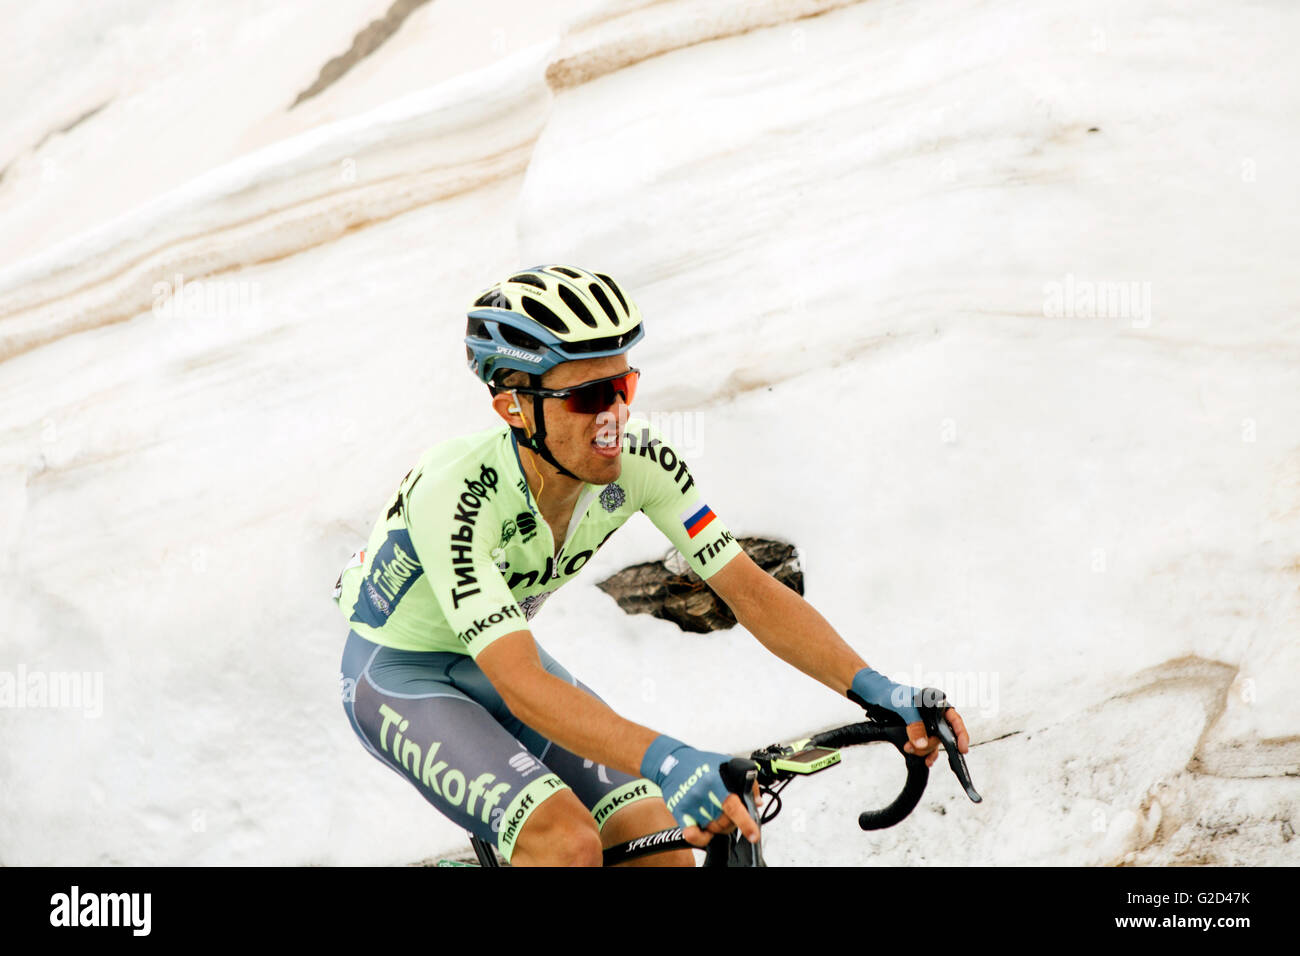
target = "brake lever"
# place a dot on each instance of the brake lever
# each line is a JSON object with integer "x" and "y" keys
{"x": 932, "y": 715}
{"x": 733, "y": 849}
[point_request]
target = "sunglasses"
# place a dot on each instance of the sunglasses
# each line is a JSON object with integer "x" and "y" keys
{"x": 592, "y": 397}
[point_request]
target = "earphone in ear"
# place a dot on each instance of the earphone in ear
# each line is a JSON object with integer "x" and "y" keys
{"x": 528, "y": 429}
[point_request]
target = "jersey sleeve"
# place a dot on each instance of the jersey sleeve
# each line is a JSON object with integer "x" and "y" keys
{"x": 672, "y": 499}
{"x": 455, "y": 527}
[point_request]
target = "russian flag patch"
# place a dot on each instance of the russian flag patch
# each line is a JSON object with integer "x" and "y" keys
{"x": 696, "y": 518}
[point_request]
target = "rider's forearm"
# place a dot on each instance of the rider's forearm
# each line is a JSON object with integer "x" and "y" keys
{"x": 578, "y": 721}
{"x": 794, "y": 631}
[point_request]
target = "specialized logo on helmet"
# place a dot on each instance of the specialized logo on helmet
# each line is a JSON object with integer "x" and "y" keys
{"x": 517, "y": 353}
{"x": 612, "y": 498}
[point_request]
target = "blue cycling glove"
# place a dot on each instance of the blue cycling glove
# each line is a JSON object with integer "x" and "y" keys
{"x": 872, "y": 690}
{"x": 690, "y": 780}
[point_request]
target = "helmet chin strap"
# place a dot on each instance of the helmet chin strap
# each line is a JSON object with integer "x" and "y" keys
{"x": 535, "y": 440}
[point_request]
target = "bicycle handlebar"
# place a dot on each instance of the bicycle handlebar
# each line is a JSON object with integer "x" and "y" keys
{"x": 918, "y": 774}
{"x": 740, "y": 773}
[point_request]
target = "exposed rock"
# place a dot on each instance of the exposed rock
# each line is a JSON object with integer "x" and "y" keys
{"x": 671, "y": 590}
{"x": 370, "y": 39}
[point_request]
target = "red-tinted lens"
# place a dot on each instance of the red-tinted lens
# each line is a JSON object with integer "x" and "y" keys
{"x": 599, "y": 396}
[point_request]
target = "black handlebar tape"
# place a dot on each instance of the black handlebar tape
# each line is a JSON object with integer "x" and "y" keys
{"x": 865, "y": 732}
{"x": 918, "y": 774}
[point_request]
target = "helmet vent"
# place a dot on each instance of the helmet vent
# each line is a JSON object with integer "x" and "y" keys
{"x": 545, "y": 316}
{"x": 528, "y": 279}
{"x": 567, "y": 272}
{"x": 477, "y": 329}
{"x": 519, "y": 339}
{"x": 614, "y": 286}
{"x": 577, "y": 307}
{"x": 611, "y": 343}
{"x": 598, "y": 294}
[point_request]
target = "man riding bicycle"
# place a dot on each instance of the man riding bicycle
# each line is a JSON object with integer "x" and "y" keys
{"x": 445, "y": 683}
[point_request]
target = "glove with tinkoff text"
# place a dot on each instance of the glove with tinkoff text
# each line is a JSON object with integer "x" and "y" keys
{"x": 690, "y": 779}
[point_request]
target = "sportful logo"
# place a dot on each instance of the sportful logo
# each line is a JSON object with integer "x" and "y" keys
{"x": 646, "y": 447}
{"x": 696, "y": 518}
{"x": 462, "y": 539}
{"x": 524, "y": 763}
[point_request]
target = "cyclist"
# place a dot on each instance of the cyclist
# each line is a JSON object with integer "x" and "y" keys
{"x": 442, "y": 679}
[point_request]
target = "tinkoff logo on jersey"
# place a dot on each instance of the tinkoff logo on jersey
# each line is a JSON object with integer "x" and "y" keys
{"x": 393, "y": 570}
{"x": 472, "y": 499}
{"x": 479, "y": 625}
{"x": 645, "y": 446}
{"x": 696, "y": 518}
{"x": 714, "y": 547}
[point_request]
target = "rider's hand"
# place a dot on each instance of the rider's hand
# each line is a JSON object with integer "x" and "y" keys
{"x": 734, "y": 814}
{"x": 931, "y": 745}
{"x": 694, "y": 791}
{"x": 877, "y": 693}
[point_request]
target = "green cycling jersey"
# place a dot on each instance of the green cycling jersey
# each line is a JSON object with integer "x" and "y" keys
{"x": 462, "y": 556}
